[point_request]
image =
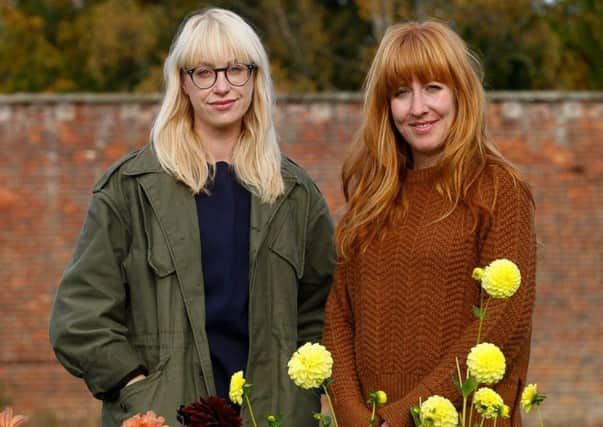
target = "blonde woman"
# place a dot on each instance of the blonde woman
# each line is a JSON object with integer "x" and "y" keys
{"x": 204, "y": 253}
{"x": 429, "y": 198}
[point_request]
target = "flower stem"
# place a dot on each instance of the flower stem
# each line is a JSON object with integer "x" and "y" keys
{"x": 250, "y": 410}
{"x": 470, "y": 415}
{"x": 372, "y": 420}
{"x": 482, "y": 314}
{"x": 458, "y": 369}
{"x": 539, "y": 416}
{"x": 324, "y": 387}
{"x": 483, "y": 421}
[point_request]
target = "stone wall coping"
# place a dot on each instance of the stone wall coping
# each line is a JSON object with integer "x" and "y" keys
{"x": 336, "y": 97}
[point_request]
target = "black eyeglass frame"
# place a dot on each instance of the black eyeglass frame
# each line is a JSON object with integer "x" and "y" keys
{"x": 250, "y": 67}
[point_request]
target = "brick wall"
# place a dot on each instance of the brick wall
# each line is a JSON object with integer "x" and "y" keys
{"x": 53, "y": 148}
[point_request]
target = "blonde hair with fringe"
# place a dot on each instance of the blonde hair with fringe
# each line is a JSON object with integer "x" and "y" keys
{"x": 209, "y": 36}
{"x": 375, "y": 169}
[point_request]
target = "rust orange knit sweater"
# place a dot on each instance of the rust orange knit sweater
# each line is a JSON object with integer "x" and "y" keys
{"x": 400, "y": 314}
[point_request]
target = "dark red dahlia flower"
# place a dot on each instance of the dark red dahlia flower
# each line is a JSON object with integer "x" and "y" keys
{"x": 209, "y": 412}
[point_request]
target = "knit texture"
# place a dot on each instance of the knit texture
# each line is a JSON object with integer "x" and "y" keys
{"x": 400, "y": 314}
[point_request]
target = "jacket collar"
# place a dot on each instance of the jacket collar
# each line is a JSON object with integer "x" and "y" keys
{"x": 145, "y": 162}
{"x": 174, "y": 204}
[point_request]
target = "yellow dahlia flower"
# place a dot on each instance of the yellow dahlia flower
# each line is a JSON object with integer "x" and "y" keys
{"x": 500, "y": 279}
{"x": 528, "y": 397}
{"x": 486, "y": 363}
{"x": 310, "y": 365}
{"x": 504, "y": 411}
{"x": 438, "y": 411}
{"x": 487, "y": 402}
{"x": 237, "y": 381}
{"x": 377, "y": 397}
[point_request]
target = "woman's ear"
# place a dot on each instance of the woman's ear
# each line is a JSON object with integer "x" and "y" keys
{"x": 183, "y": 83}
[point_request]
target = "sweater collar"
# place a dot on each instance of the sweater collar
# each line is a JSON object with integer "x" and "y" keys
{"x": 421, "y": 175}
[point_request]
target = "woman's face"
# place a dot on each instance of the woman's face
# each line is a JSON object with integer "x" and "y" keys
{"x": 423, "y": 114}
{"x": 220, "y": 107}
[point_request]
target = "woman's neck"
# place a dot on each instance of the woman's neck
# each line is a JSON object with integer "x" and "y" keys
{"x": 219, "y": 142}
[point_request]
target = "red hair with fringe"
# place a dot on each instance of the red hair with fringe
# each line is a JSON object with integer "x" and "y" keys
{"x": 374, "y": 172}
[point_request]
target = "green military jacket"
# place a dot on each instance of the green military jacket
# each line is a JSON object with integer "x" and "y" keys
{"x": 133, "y": 294}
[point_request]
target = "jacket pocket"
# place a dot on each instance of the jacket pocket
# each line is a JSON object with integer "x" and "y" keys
{"x": 158, "y": 251}
{"x": 136, "y": 398}
{"x": 289, "y": 243}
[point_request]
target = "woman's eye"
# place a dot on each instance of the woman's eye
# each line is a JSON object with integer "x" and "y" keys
{"x": 203, "y": 72}
{"x": 235, "y": 69}
{"x": 433, "y": 87}
{"x": 401, "y": 91}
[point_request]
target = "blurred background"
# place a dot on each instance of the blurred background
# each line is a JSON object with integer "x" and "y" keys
{"x": 80, "y": 84}
{"x": 314, "y": 45}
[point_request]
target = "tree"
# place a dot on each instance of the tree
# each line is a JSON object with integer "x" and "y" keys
{"x": 28, "y": 61}
{"x": 110, "y": 47}
{"x": 580, "y": 26}
{"x": 518, "y": 47}
{"x": 313, "y": 45}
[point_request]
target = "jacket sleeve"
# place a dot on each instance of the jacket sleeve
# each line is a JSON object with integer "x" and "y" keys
{"x": 88, "y": 329}
{"x": 348, "y": 401}
{"x": 510, "y": 234}
{"x": 319, "y": 263}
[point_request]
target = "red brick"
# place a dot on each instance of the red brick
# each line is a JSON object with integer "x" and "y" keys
{"x": 53, "y": 149}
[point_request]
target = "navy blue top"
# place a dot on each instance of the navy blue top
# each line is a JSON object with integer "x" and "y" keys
{"x": 224, "y": 225}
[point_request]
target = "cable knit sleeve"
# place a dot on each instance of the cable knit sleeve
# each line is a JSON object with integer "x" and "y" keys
{"x": 348, "y": 402}
{"x": 509, "y": 233}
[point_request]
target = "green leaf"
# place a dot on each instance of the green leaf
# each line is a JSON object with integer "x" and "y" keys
{"x": 415, "y": 412}
{"x": 538, "y": 399}
{"x": 479, "y": 313}
{"x": 457, "y": 384}
{"x": 247, "y": 389}
{"x": 469, "y": 386}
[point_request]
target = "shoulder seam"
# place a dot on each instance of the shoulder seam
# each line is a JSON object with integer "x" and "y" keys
{"x": 112, "y": 169}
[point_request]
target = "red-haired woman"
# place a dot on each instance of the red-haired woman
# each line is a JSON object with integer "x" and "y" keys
{"x": 429, "y": 198}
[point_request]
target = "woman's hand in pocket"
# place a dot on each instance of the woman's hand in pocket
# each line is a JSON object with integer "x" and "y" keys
{"x": 136, "y": 379}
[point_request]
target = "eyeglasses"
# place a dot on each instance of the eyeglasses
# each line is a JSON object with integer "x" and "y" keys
{"x": 205, "y": 77}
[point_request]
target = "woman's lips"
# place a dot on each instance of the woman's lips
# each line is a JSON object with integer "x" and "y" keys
{"x": 223, "y": 105}
{"x": 423, "y": 127}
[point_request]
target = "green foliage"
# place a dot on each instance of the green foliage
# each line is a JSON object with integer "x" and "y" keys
{"x": 467, "y": 387}
{"x": 116, "y": 56}
{"x": 29, "y": 61}
{"x": 314, "y": 45}
{"x": 517, "y": 46}
{"x": 579, "y": 24}
{"x": 415, "y": 412}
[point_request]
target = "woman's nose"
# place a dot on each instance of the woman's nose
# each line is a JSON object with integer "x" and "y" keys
{"x": 222, "y": 85}
{"x": 418, "y": 106}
